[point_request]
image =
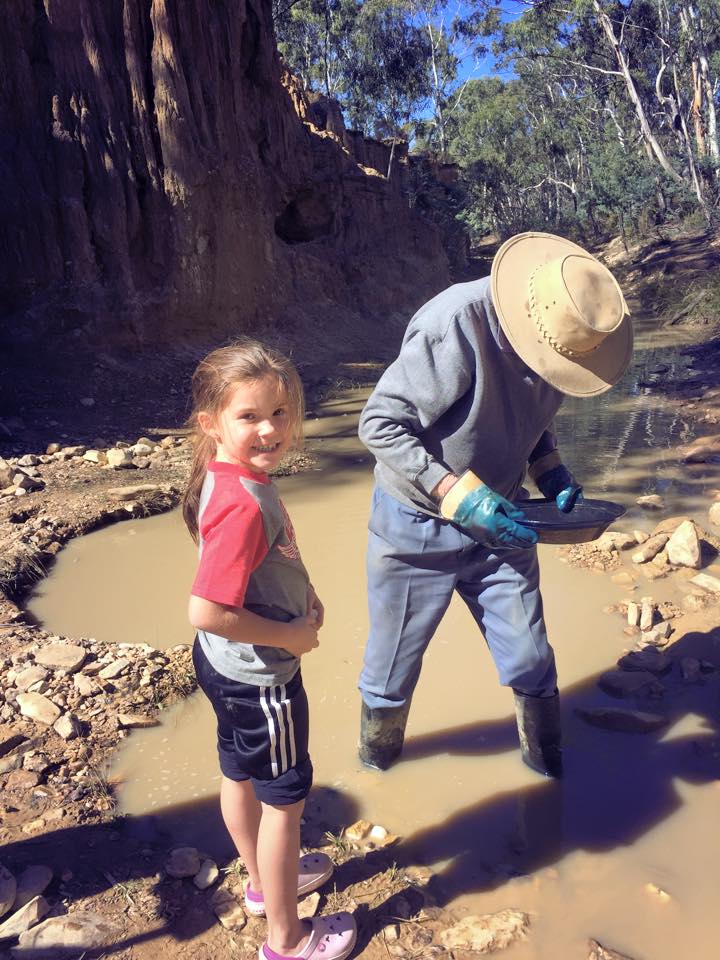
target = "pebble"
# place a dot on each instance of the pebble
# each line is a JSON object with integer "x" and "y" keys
{"x": 61, "y": 656}
{"x": 36, "y": 707}
{"x": 651, "y": 502}
{"x": 206, "y": 875}
{"x": 483, "y": 934}
{"x": 228, "y": 910}
{"x": 650, "y": 548}
{"x": 182, "y": 862}
{"x": 596, "y": 951}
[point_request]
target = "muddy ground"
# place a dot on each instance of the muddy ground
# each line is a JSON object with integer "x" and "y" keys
{"x": 56, "y": 805}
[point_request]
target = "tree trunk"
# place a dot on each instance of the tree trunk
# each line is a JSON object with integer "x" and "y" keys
{"x": 645, "y": 129}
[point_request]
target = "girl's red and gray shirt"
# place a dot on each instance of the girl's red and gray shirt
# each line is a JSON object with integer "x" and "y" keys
{"x": 248, "y": 558}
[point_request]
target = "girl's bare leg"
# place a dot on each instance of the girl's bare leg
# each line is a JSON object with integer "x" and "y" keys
{"x": 278, "y": 849}
{"x": 241, "y": 812}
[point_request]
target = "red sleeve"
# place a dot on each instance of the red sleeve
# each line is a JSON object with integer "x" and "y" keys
{"x": 233, "y": 546}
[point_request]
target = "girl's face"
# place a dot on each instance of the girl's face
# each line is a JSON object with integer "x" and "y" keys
{"x": 253, "y": 430}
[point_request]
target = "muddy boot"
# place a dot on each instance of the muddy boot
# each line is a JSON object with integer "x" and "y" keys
{"x": 538, "y": 721}
{"x": 382, "y": 732}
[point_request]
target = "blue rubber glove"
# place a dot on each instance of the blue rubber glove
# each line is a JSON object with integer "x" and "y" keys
{"x": 491, "y": 519}
{"x": 558, "y": 484}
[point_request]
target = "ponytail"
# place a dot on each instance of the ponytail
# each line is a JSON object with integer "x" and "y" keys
{"x": 203, "y": 452}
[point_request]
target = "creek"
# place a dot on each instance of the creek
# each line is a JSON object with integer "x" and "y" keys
{"x": 636, "y": 813}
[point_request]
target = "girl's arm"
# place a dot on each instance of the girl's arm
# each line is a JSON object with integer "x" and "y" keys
{"x": 299, "y": 636}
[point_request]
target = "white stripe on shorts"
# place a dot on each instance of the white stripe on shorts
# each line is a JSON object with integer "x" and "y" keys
{"x": 277, "y": 705}
{"x": 265, "y": 700}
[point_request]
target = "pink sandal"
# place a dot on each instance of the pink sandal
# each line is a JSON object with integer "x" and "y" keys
{"x": 313, "y": 871}
{"x": 332, "y": 938}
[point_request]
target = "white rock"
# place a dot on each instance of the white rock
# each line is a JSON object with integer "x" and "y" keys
{"x": 651, "y": 502}
{"x": 683, "y": 547}
{"x": 30, "y": 676}
{"x": 36, "y": 707}
{"x": 85, "y": 686}
{"x": 206, "y": 875}
{"x": 483, "y": 934}
{"x": 119, "y": 459}
{"x": 114, "y": 669}
{"x": 136, "y": 720}
{"x": 67, "y": 726}
{"x": 714, "y": 514}
{"x": 24, "y": 918}
{"x": 66, "y": 936}
{"x": 95, "y": 456}
{"x": 228, "y": 910}
{"x": 131, "y": 492}
{"x": 650, "y": 548}
{"x": 647, "y": 614}
{"x": 308, "y": 906}
{"x": 61, "y": 656}
{"x": 704, "y": 580}
{"x": 633, "y": 614}
{"x": 599, "y": 952}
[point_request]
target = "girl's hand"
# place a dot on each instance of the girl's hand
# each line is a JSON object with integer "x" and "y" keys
{"x": 302, "y": 636}
{"x": 314, "y": 607}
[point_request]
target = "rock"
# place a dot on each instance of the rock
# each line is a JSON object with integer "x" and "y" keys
{"x": 483, "y": 934}
{"x": 228, "y": 910}
{"x": 625, "y": 578}
{"x": 598, "y": 952}
{"x": 640, "y": 536}
{"x": 657, "y": 637}
{"x": 308, "y": 906}
{"x": 66, "y": 936}
{"x": 714, "y": 514}
{"x": 611, "y": 540}
{"x": 24, "y": 918}
{"x": 76, "y": 451}
{"x": 358, "y": 831}
{"x": 96, "y": 456}
{"x": 130, "y": 493}
{"x": 622, "y": 683}
{"x": 704, "y": 580}
{"x": 118, "y": 459}
{"x": 85, "y": 686}
{"x": 61, "y": 656}
{"x": 136, "y": 720}
{"x": 633, "y": 614}
{"x": 22, "y": 780}
{"x": 690, "y": 670}
{"x": 206, "y": 875}
{"x": 8, "y": 890}
{"x": 647, "y": 613}
{"x": 703, "y": 450}
{"x": 650, "y": 548}
{"x": 624, "y": 721}
{"x": 183, "y": 862}
{"x": 668, "y": 525}
{"x": 651, "y": 502}
{"x": 651, "y": 660}
{"x": 30, "y": 676}
{"x": 9, "y": 742}
{"x": 36, "y": 707}
{"x": 67, "y": 726}
{"x": 656, "y": 891}
{"x": 29, "y": 460}
{"x": 683, "y": 547}
{"x": 31, "y": 883}
{"x": 115, "y": 669}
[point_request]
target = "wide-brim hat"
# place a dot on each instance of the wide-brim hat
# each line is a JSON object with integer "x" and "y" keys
{"x": 563, "y": 313}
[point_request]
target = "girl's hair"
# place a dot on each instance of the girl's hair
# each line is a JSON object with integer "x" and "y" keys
{"x": 214, "y": 379}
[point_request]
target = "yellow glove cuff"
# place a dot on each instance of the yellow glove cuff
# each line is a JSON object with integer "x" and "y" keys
{"x": 457, "y": 493}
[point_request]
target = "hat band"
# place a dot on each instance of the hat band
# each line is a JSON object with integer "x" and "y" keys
{"x": 556, "y": 344}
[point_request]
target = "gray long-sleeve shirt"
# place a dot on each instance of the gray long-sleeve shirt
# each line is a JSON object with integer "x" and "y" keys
{"x": 456, "y": 398}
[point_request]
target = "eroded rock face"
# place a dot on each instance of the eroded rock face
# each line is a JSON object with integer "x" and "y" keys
{"x": 161, "y": 184}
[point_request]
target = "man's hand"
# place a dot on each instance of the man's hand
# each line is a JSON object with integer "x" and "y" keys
{"x": 301, "y": 636}
{"x": 315, "y": 609}
{"x": 559, "y": 485}
{"x": 488, "y": 517}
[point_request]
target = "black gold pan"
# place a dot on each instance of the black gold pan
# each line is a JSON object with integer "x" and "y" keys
{"x": 586, "y": 521}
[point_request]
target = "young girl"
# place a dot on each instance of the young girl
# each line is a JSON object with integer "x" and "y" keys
{"x": 256, "y": 614}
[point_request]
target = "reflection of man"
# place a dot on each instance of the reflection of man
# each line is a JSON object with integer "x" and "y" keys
{"x": 454, "y": 423}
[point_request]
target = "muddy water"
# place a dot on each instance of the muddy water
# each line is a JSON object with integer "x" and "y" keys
{"x": 633, "y": 811}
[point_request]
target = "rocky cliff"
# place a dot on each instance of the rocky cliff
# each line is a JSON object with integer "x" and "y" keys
{"x": 159, "y": 187}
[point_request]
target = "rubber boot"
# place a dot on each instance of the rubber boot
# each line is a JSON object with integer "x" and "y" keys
{"x": 538, "y": 722}
{"x": 382, "y": 733}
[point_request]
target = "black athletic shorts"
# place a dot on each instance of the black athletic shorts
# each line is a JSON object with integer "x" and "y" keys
{"x": 262, "y": 732}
